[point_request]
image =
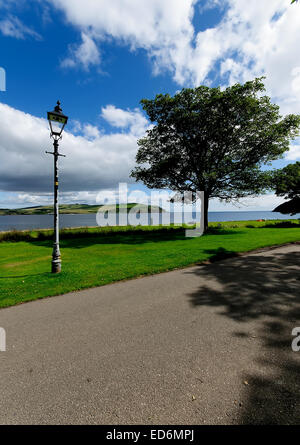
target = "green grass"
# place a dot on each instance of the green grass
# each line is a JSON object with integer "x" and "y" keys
{"x": 96, "y": 257}
{"x": 87, "y": 232}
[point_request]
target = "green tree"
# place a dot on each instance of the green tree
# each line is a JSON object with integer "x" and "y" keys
{"x": 215, "y": 141}
{"x": 286, "y": 183}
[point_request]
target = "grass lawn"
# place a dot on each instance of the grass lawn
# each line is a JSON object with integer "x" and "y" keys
{"x": 99, "y": 259}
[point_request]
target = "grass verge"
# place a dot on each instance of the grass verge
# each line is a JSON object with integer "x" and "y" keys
{"x": 95, "y": 257}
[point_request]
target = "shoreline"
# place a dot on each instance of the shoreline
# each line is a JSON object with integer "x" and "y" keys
{"x": 42, "y": 223}
{"x": 98, "y": 230}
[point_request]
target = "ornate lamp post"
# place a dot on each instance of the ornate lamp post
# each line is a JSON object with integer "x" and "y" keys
{"x": 57, "y": 121}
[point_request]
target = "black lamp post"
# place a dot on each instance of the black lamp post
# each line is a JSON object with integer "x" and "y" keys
{"x": 57, "y": 121}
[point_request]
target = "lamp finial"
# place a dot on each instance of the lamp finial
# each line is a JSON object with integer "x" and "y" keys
{"x": 58, "y": 108}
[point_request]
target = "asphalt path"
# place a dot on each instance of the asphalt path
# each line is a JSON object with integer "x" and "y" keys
{"x": 209, "y": 344}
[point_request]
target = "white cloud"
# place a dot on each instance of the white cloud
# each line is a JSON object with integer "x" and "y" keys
{"x": 139, "y": 22}
{"x": 253, "y": 38}
{"x": 85, "y": 55}
{"x": 11, "y": 26}
{"x": 294, "y": 153}
{"x": 163, "y": 28}
{"x": 17, "y": 200}
{"x": 91, "y": 132}
{"x": 94, "y": 160}
{"x": 263, "y": 203}
{"x": 134, "y": 120}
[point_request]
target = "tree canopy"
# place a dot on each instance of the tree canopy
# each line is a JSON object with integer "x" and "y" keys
{"x": 287, "y": 184}
{"x": 291, "y": 207}
{"x": 212, "y": 140}
{"x": 287, "y": 181}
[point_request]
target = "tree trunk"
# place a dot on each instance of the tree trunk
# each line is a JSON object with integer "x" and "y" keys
{"x": 206, "y": 204}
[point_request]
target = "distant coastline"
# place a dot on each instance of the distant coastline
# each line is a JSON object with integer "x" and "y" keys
{"x": 77, "y": 209}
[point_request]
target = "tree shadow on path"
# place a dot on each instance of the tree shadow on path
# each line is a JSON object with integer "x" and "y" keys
{"x": 263, "y": 290}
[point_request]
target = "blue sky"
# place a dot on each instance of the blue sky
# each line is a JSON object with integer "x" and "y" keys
{"x": 101, "y": 58}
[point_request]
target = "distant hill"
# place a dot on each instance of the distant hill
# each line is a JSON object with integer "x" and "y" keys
{"x": 78, "y": 209}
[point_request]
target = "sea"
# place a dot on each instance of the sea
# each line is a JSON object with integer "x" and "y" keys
{"x": 31, "y": 222}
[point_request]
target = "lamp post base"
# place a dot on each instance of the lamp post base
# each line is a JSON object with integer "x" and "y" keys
{"x": 56, "y": 259}
{"x": 56, "y": 266}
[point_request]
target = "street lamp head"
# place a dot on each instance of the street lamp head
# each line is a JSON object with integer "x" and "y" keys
{"x": 57, "y": 121}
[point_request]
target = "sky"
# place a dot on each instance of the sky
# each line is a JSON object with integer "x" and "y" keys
{"x": 101, "y": 57}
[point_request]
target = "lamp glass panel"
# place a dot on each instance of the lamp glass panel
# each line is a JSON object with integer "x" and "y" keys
{"x": 57, "y": 122}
